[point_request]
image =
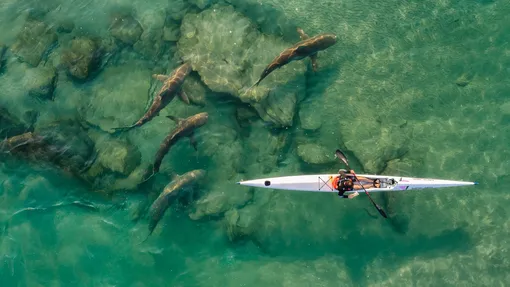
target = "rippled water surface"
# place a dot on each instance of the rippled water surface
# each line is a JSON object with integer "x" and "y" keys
{"x": 409, "y": 88}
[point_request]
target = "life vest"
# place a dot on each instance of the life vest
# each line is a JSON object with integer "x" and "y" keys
{"x": 335, "y": 182}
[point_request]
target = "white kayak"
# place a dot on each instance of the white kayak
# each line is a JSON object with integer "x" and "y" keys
{"x": 324, "y": 183}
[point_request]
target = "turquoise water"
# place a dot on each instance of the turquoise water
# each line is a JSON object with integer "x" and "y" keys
{"x": 412, "y": 88}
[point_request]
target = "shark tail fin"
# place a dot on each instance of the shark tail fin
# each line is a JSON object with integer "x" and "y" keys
{"x": 252, "y": 86}
{"x": 148, "y": 235}
{"x": 149, "y": 173}
{"x": 123, "y": 129}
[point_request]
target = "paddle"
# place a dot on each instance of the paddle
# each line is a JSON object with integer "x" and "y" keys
{"x": 342, "y": 156}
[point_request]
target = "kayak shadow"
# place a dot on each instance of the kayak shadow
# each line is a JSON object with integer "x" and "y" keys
{"x": 399, "y": 251}
{"x": 361, "y": 249}
{"x": 398, "y": 222}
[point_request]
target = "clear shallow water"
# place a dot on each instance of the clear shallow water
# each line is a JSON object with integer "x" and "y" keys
{"x": 416, "y": 88}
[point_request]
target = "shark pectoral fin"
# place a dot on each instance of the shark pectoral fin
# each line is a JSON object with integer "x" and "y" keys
{"x": 161, "y": 78}
{"x": 175, "y": 119}
{"x": 302, "y": 34}
{"x": 314, "y": 62}
{"x": 184, "y": 97}
{"x": 193, "y": 141}
{"x": 173, "y": 175}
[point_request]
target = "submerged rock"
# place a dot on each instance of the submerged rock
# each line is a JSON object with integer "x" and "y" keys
{"x": 248, "y": 220}
{"x": 119, "y": 156}
{"x": 130, "y": 182}
{"x": 63, "y": 143}
{"x": 388, "y": 141}
{"x": 178, "y": 9}
{"x": 41, "y": 82}
{"x": 82, "y": 57}
{"x": 229, "y": 53}
{"x": 202, "y": 4}
{"x": 65, "y": 26}
{"x": 315, "y": 154}
{"x": 69, "y": 145}
{"x": 222, "y": 143}
{"x": 126, "y": 29}
{"x": 151, "y": 39}
{"x": 273, "y": 21}
{"x": 230, "y": 223}
{"x": 244, "y": 114}
{"x": 3, "y": 49}
{"x": 242, "y": 223}
{"x": 34, "y": 39}
{"x": 66, "y": 145}
{"x": 30, "y": 117}
{"x": 278, "y": 108}
{"x": 10, "y": 125}
{"x": 171, "y": 32}
{"x": 310, "y": 118}
{"x": 220, "y": 199}
{"x": 266, "y": 148}
{"x": 117, "y": 166}
{"x": 403, "y": 167}
{"x": 119, "y": 96}
{"x": 195, "y": 90}
{"x": 463, "y": 80}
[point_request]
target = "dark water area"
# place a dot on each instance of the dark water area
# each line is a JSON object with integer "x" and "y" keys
{"x": 408, "y": 89}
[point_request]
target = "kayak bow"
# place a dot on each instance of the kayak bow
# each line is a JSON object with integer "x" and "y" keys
{"x": 324, "y": 183}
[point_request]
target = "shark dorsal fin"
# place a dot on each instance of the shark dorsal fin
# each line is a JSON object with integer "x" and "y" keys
{"x": 175, "y": 119}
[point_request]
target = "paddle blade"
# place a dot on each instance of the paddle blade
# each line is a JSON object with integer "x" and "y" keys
{"x": 341, "y": 156}
{"x": 381, "y": 211}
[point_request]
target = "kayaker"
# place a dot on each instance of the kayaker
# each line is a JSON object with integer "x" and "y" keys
{"x": 345, "y": 182}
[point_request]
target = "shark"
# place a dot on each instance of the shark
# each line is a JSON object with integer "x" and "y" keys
{"x": 169, "y": 194}
{"x": 307, "y": 47}
{"x": 172, "y": 86}
{"x": 185, "y": 128}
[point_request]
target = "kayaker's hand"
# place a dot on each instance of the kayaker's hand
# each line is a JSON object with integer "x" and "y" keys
{"x": 353, "y": 195}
